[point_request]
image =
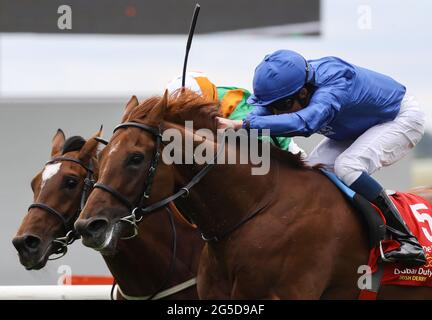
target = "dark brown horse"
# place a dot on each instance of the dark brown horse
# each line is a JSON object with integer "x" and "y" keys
{"x": 289, "y": 234}
{"x": 139, "y": 265}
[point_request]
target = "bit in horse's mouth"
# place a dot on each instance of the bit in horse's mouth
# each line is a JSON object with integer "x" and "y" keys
{"x": 108, "y": 246}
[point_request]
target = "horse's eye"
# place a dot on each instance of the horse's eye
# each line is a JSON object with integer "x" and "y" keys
{"x": 70, "y": 183}
{"x": 135, "y": 159}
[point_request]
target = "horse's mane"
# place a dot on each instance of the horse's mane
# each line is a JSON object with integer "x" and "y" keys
{"x": 182, "y": 106}
{"x": 295, "y": 160}
{"x": 74, "y": 143}
{"x": 188, "y": 105}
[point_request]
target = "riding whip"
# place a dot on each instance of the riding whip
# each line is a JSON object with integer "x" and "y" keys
{"x": 189, "y": 42}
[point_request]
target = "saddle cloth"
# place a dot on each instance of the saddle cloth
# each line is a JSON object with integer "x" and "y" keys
{"x": 417, "y": 213}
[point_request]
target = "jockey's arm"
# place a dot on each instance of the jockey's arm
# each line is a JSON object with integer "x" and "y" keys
{"x": 237, "y": 124}
{"x": 260, "y": 111}
{"x": 321, "y": 110}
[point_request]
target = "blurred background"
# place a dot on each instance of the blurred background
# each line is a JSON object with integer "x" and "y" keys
{"x": 78, "y": 74}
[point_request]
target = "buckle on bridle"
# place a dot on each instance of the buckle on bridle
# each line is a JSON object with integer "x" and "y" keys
{"x": 88, "y": 183}
{"x": 187, "y": 192}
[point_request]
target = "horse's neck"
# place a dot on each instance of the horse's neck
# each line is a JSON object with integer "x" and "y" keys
{"x": 225, "y": 196}
{"x": 141, "y": 264}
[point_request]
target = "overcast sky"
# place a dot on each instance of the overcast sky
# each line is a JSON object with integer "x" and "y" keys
{"x": 398, "y": 43}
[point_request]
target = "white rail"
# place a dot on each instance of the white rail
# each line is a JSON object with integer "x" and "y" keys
{"x": 75, "y": 292}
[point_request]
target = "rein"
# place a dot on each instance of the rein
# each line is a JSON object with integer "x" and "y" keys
{"x": 138, "y": 211}
{"x": 67, "y": 224}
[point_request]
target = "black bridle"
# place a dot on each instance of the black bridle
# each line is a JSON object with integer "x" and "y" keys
{"x": 67, "y": 223}
{"x": 138, "y": 211}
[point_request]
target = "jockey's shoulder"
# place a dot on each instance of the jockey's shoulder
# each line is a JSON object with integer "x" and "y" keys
{"x": 225, "y": 89}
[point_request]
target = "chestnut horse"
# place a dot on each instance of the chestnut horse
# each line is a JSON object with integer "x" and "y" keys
{"x": 140, "y": 265}
{"x": 289, "y": 234}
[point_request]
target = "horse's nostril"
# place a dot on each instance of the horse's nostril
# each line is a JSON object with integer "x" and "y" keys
{"x": 27, "y": 243}
{"x": 97, "y": 226}
{"x": 32, "y": 242}
{"x": 91, "y": 228}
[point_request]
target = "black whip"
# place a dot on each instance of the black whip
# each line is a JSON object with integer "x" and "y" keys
{"x": 189, "y": 42}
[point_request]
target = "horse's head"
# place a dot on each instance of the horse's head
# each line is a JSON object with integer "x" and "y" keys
{"x": 59, "y": 190}
{"x": 126, "y": 174}
{"x": 124, "y": 164}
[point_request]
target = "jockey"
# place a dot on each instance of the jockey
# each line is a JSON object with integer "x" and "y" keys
{"x": 367, "y": 118}
{"x": 232, "y": 102}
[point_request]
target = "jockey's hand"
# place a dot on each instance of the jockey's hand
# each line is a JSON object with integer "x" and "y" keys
{"x": 223, "y": 123}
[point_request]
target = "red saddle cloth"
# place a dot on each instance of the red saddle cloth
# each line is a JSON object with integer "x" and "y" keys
{"x": 417, "y": 213}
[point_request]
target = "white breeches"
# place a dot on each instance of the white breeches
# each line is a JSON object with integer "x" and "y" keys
{"x": 379, "y": 146}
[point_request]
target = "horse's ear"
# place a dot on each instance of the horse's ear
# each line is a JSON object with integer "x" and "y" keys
{"x": 57, "y": 142}
{"x": 133, "y": 102}
{"x": 157, "y": 114}
{"x": 89, "y": 149}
